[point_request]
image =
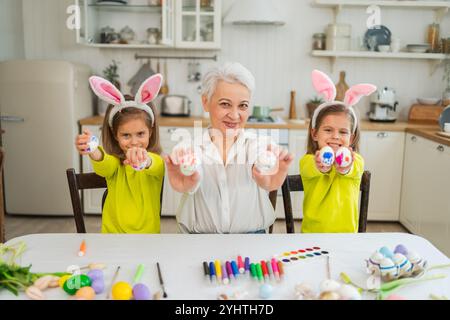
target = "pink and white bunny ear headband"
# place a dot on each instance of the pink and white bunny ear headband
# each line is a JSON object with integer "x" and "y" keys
{"x": 106, "y": 91}
{"x": 324, "y": 86}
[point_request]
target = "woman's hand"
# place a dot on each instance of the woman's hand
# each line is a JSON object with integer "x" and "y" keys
{"x": 320, "y": 166}
{"x": 179, "y": 181}
{"x": 136, "y": 156}
{"x": 275, "y": 178}
{"x": 345, "y": 170}
{"x": 81, "y": 143}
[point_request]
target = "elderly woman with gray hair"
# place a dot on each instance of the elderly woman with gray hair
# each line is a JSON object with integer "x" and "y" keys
{"x": 227, "y": 193}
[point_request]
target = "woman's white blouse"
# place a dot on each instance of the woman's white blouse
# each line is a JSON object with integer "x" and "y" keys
{"x": 227, "y": 198}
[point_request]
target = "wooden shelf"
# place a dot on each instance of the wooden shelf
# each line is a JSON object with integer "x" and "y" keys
{"x": 371, "y": 54}
{"x": 126, "y": 46}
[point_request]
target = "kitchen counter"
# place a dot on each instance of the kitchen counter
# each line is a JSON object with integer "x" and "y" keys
{"x": 430, "y": 133}
{"x": 289, "y": 124}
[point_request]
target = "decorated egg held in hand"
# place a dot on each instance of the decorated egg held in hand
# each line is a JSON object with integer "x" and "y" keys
{"x": 343, "y": 157}
{"x": 266, "y": 162}
{"x": 326, "y": 156}
{"x": 92, "y": 144}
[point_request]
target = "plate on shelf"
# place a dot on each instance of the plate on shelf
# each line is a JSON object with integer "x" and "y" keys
{"x": 111, "y": 2}
{"x": 429, "y": 101}
{"x": 444, "y": 117}
{"x": 417, "y": 48}
{"x": 381, "y": 34}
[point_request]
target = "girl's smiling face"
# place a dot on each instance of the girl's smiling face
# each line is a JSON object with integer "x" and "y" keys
{"x": 133, "y": 133}
{"x": 334, "y": 131}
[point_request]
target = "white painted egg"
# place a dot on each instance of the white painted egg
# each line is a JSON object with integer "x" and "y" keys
{"x": 266, "y": 162}
{"x": 329, "y": 285}
{"x": 348, "y": 292}
{"x": 388, "y": 268}
{"x": 92, "y": 144}
{"x": 326, "y": 156}
{"x": 141, "y": 166}
{"x": 403, "y": 264}
{"x": 343, "y": 157}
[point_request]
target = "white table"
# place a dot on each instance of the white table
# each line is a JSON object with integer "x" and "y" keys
{"x": 181, "y": 257}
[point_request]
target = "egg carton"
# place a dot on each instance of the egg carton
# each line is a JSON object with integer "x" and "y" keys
{"x": 401, "y": 263}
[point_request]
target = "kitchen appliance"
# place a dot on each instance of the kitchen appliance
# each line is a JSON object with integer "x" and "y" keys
{"x": 41, "y": 103}
{"x": 175, "y": 106}
{"x": 261, "y": 113}
{"x": 383, "y": 106}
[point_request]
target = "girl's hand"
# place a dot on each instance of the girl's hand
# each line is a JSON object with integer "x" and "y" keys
{"x": 81, "y": 142}
{"x": 320, "y": 166}
{"x": 345, "y": 170}
{"x": 179, "y": 181}
{"x": 274, "y": 179}
{"x": 136, "y": 156}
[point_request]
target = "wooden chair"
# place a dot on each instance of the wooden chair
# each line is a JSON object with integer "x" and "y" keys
{"x": 273, "y": 201}
{"x": 82, "y": 181}
{"x": 294, "y": 183}
{"x": 2, "y": 204}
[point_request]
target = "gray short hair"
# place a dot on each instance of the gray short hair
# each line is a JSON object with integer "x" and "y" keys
{"x": 231, "y": 72}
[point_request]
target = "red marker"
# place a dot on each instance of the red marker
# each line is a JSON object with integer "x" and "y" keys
{"x": 82, "y": 251}
{"x": 264, "y": 270}
{"x": 275, "y": 269}
{"x": 240, "y": 264}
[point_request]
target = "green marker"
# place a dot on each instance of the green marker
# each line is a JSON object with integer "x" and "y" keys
{"x": 139, "y": 272}
{"x": 259, "y": 272}
{"x": 253, "y": 270}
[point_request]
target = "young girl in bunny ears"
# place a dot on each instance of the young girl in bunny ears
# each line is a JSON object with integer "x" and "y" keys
{"x": 331, "y": 191}
{"x": 129, "y": 158}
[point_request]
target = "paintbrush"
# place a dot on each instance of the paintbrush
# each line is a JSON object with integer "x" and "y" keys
{"x": 161, "y": 281}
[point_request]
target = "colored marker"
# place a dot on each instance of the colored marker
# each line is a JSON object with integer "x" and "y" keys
{"x": 138, "y": 274}
{"x": 218, "y": 270}
{"x": 275, "y": 269}
{"x": 212, "y": 272}
{"x": 264, "y": 270}
{"x": 247, "y": 264}
{"x": 235, "y": 268}
{"x": 229, "y": 270}
{"x": 206, "y": 270}
{"x": 225, "y": 279}
{"x": 253, "y": 271}
{"x": 280, "y": 269}
{"x": 82, "y": 251}
{"x": 240, "y": 264}
{"x": 269, "y": 269}
{"x": 259, "y": 272}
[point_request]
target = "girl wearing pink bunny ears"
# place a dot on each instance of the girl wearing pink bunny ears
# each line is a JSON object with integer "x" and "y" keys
{"x": 331, "y": 192}
{"x": 129, "y": 159}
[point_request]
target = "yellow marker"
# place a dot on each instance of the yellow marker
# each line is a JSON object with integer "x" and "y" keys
{"x": 218, "y": 270}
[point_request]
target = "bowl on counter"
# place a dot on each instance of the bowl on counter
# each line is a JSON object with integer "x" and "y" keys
{"x": 417, "y": 48}
{"x": 430, "y": 101}
{"x": 384, "y": 48}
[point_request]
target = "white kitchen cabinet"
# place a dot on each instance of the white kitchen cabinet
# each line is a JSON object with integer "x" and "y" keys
{"x": 169, "y": 138}
{"x": 383, "y": 156}
{"x": 92, "y": 199}
{"x": 425, "y": 208}
{"x": 193, "y": 24}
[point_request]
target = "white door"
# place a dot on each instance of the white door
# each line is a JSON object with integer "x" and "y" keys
{"x": 383, "y": 155}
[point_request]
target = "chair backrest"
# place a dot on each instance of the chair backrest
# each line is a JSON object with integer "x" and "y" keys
{"x": 294, "y": 183}
{"x": 82, "y": 181}
{"x": 273, "y": 201}
{"x": 2, "y": 204}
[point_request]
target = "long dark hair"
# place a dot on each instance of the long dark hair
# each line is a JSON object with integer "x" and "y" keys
{"x": 313, "y": 146}
{"x": 109, "y": 134}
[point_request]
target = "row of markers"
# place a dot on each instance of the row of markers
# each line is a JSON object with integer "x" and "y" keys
{"x": 263, "y": 271}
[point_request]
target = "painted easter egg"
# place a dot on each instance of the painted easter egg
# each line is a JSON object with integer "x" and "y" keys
{"x": 326, "y": 156}
{"x": 95, "y": 274}
{"x": 188, "y": 164}
{"x": 98, "y": 285}
{"x": 388, "y": 268}
{"x": 266, "y": 162}
{"x": 92, "y": 144}
{"x": 401, "y": 249}
{"x": 141, "y": 292}
{"x": 265, "y": 291}
{"x": 141, "y": 166}
{"x": 403, "y": 264}
{"x": 329, "y": 285}
{"x": 385, "y": 251}
{"x": 86, "y": 293}
{"x": 348, "y": 292}
{"x": 63, "y": 280}
{"x": 122, "y": 291}
{"x": 343, "y": 157}
{"x": 76, "y": 282}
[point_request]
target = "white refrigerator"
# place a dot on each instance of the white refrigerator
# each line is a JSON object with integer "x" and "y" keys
{"x": 41, "y": 102}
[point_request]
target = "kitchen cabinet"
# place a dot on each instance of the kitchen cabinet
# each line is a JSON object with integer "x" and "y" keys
{"x": 92, "y": 198}
{"x": 425, "y": 205}
{"x": 383, "y": 157}
{"x": 193, "y": 24}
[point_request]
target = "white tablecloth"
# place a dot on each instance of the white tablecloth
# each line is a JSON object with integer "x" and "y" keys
{"x": 181, "y": 257}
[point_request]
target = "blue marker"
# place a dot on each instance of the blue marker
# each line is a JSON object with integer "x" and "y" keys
{"x": 212, "y": 272}
{"x": 247, "y": 264}
{"x": 235, "y": 268}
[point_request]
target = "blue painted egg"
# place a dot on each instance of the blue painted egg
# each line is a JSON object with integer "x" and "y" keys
{"x": 265, "y": 291}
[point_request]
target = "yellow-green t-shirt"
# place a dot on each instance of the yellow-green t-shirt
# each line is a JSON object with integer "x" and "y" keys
{"x": 133, "y": 201}
{"x": 330, "y": 199}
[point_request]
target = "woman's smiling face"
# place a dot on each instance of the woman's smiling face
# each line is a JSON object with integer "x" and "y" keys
{"x": 228, "y": 107}
{"x": 334, "y": 131}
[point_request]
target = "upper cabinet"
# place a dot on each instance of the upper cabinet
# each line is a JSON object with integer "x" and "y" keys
{"x": 187, "y": 24}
